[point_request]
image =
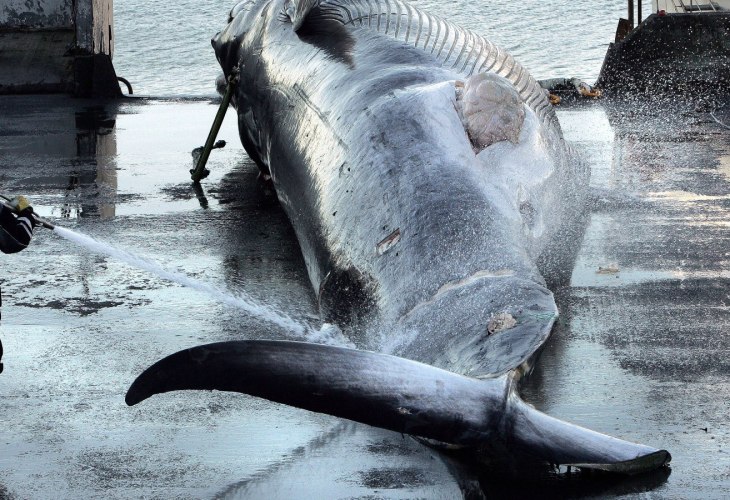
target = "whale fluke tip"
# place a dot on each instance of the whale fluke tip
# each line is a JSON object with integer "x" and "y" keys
{"x": 638, "y": 465}
{"x": 564, "y": 443}
{"x": 135, "y": 395}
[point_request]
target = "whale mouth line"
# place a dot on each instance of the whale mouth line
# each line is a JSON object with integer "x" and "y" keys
{"x": 450, "y": 286}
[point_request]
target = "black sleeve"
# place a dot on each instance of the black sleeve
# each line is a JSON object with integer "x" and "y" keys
{"x": 15, "y": 232}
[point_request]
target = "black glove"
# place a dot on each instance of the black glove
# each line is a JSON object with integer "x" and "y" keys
{"x": 30, "y": 215}
{"x": 22, "y": 207}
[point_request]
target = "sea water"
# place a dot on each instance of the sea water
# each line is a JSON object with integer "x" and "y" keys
{"x": 163, "y": 48}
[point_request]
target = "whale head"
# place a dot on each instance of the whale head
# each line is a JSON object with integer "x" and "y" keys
{"x": 228, "y": 42}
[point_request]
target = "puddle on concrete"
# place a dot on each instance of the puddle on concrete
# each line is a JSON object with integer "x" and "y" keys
{"x": 684, "y": 197}
{"x": 117, "y": 161}
{"x": 587, "y": 274}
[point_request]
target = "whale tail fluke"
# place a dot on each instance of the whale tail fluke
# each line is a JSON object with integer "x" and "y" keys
{"x": 392, "y": 393}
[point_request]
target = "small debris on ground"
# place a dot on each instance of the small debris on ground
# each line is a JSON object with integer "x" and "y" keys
{"x": 609, "y": 269}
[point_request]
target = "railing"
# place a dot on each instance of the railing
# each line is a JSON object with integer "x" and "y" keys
{"x": 690, "y": 6}
{"x": 675, "y": 7}
{"x": 631, "y": 12}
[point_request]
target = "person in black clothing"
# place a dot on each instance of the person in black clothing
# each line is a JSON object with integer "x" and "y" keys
{"x": 15, "y": 232}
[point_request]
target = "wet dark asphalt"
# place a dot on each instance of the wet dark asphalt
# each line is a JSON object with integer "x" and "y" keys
{"x": 641, "y": 350}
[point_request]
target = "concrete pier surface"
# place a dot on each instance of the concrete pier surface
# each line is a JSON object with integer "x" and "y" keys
{"x": 641, "y": 351}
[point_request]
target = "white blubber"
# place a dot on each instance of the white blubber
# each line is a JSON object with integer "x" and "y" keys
{"x": 491, "y": 109}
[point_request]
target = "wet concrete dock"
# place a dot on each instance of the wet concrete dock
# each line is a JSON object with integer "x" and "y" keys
{"x": 641, "y": 350}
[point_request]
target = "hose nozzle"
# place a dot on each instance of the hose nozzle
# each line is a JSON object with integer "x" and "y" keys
{"x": 4, "y": 200}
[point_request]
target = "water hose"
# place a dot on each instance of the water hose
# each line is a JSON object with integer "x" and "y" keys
{"x": 39, "y": 221}
{"x": 200, "y": 172}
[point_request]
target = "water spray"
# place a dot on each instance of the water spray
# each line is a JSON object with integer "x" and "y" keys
{"x": 327, "y": 334}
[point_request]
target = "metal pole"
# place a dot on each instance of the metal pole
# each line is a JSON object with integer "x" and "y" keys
{"x": 638, "y": 13}
{"x": 200, "y": 172}
{"x": 631, "y": 13}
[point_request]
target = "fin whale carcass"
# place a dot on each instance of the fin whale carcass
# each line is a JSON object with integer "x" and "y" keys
{"x": 431, "y": 191}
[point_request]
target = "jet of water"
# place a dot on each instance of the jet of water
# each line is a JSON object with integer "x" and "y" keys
{"x": 327, "y": 334}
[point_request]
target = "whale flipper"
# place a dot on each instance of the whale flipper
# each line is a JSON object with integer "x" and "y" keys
{"x": 377, "y": 389}
{"x": 392, "y": 393}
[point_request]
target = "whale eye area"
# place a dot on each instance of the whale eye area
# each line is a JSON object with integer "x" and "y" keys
{"x": 491, "y": 110}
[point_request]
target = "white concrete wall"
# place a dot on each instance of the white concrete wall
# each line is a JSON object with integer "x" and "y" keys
{"x": 36, "y": 13}
{"x": 37, "y": 38}
{"x": 95, "y": 25}
{"x": 93, "y": 22}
